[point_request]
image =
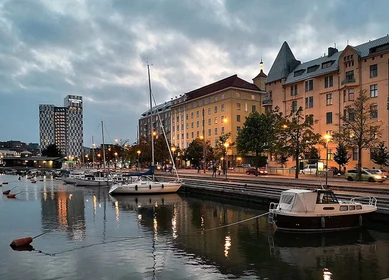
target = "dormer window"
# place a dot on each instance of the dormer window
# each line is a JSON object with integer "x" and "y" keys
{"x": 312, "y": 68}
{"x": 298, "y": 73}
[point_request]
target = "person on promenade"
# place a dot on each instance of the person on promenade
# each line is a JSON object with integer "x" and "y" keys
{"x": 214, "y": 170}
{"x": 198, "y": 168}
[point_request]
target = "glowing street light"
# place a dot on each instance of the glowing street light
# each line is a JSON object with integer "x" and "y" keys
{"x": 327, "y": 137}
{"x": 225, "y": 155}
{"x": 138, "y": 152}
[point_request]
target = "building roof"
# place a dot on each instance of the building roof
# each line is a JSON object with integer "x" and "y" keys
{"x": 230, "y": 82}
{"x": 284, "y": 64}
{"x": 159, "y": 108}
{"x": 260, "y": 75}
{"x": 315, "y": 67}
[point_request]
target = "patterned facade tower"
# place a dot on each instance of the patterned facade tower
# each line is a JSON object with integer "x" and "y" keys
{"x": 63, "y": 126}
{"x": 75, "y": 125}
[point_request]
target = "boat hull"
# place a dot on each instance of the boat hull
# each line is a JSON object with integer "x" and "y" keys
{"x": 91, "y": 183}
{"x": 318, "y": 223}
{"x": 145, "y": 188}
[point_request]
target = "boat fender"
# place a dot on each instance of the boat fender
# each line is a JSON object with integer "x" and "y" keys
{"x": 323, "y": 222}
{"x": 136, "y": 187}
{"x": 360, "y": 220}
{"x": 163, "y": 186}
{"x": 150, "y": 187}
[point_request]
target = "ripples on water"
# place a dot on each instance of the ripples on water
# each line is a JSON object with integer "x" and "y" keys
{"x": 91, "y": 235}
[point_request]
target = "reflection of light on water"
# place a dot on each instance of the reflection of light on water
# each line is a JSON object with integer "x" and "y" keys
{"x": 202, "y": 224}
{"x": 70, "y": 196}
{"x": 117, "y": 210}
{"x": 174, "y": 223}
{"x": 139, "y": 217}
{"x": 44, "y": 193}
{"x": 227, "y": 245}
{"x": 327, "y": 274}
{"x": 52, "y": 193}
{"x": 94, "y": 204}
{"x": 155, "y": 222}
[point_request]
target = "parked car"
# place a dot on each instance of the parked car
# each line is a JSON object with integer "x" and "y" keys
{"x": 351, "y": 175}
{"x": 253, "y": 171}
{"x": 309, "y": 169}
{"x": 381, "y": 172}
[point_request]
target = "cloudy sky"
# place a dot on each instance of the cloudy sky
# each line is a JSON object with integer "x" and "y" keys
{"x": 100, "y": 48}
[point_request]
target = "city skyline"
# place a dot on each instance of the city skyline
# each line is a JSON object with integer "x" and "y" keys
{"x": 100, "y": 50}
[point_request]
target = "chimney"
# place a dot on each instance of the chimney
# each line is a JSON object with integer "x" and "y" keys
{"x": 331, "y": 51}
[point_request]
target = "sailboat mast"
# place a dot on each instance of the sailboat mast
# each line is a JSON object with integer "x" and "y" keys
{"x": 102, "y": 137}
{"x": 93, "y": 153}
{"x": 151, "y": 120}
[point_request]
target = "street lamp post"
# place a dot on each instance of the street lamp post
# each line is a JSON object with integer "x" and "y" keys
{"x": 225, "y": 158}
{"x": 327, "y": 137}
{"x": 138, "y": 152}
{"x": 174, "y": 159}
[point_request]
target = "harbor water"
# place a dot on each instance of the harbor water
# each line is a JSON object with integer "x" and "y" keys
{"x": 87, "y": 234}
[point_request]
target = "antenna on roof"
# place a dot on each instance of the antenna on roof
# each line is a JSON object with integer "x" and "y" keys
{"x": 335, "y": 45}
{"x": 347, "y": 42}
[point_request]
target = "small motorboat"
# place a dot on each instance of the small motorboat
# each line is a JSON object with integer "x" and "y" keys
{"x": 318, "y": 210}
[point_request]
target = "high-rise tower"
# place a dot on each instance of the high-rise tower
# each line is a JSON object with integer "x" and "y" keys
{"x": 63, "y": 126}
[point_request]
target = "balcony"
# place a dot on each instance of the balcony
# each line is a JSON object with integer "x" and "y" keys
{"x": 348, "y": 81}
{"x": 267, "y": 102}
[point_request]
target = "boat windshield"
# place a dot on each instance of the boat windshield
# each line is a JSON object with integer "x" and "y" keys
{"x": 326, "y": 197}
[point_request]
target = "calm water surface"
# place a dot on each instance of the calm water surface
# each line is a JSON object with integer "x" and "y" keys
{"x": 91, "y": 235}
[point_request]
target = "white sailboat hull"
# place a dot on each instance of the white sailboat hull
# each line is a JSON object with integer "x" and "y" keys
{"x": 145, "y": 188}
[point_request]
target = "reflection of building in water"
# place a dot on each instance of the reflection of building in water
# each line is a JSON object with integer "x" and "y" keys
{"x": 63, "y": 211}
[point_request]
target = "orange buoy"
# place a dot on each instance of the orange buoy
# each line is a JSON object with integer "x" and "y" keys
{"x": 6, "y": 192}
{"x": 21, "y": 242}
{"x": 11, "y": 195}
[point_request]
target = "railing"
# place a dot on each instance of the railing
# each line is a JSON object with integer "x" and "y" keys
{"x": 347, "y": 81}
{"x": 372, "y": 200}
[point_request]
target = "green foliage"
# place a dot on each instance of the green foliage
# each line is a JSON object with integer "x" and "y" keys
{"x": 380, "y": 155}
{"x": 259, "y": 133}
{"x": 358, "y": 128}
{"x": 220, "y": 149}
{"x": 341, "y": 156}
{"x": 52, "y": 151}
{"x": 161, "y": 149}
{"x": 296, "y": 135}
{"x": 312, "y": 155}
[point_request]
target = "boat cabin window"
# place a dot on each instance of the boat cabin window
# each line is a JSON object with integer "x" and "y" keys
{"x": 286, "y": 198}
{"x": 326, "y": 198}
{"x": 343, "y": 208}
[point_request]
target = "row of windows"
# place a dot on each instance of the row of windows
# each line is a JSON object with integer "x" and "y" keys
{"x": 216, "y": 131}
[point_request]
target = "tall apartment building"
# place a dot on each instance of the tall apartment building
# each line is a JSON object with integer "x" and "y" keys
{"x": 216, "y": 109}
{"x": 324, "y": 86}
{"x": 63, "y": 126}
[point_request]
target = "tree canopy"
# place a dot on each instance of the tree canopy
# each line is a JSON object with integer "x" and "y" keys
{"x": 52, "y": 151}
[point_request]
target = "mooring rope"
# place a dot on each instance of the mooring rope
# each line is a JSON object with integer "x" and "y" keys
{"x": 238, "y": 222}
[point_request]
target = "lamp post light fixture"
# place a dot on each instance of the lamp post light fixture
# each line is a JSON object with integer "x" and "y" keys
{"x": 174, "y": 159}
{"x": 327, "y": 137}
{"x": 225, "y": 157}
{"x": 138, "y": 152}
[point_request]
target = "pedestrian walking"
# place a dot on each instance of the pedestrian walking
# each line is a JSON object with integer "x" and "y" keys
{"x": 198, "y": 168}
{"x": 214, "y": 170}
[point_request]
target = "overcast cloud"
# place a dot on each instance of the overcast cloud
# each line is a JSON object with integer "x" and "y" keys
{"x": 99, "y": 49}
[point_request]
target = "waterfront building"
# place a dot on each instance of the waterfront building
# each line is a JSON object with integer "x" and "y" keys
{"x": 324, "y": 86}
{"x": 216, "y": 109}
{"x": 63, "y": 126}
{"x": 150, "y": 121}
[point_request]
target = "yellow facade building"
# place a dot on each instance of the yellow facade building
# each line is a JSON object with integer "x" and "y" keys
{"x": 214, "y": 110}
{"x": 323, "y": 87}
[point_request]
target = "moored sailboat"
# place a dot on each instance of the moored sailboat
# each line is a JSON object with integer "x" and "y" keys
{"x": 147, "y": 183}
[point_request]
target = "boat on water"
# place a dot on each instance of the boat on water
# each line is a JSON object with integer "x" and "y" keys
{"x": 148, "y": 183}
{"x": 95, "y": 179}
{"x": 318, "y": 210}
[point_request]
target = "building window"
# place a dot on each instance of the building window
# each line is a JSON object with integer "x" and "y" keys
{"x": 351, "y": 115}
{"x": 237, "y": 94}
{"x": 198, "y": 114}
{"x": 197, "y": 124}
{"x": 222, "y": 96}
{"x": 209, "y": 132}
{"x": 215, "y": 120}
{"x": 222, "y": 132}
{"x": 192, "y": 125}
{"x": 215, "y": 110}
{"x": 209, "y": 122}
{"x": 329, "y": 99}
{"x": 309, "y": 119}
{"x": 344, "y": 95}
{"x": 238, "y": 129}
{"x": 252, "y": 97}
{"x": 328, "y": 117}
{"x": 350, "y": 94}
{"x": 238, "y": 106}
{"x": 329, "y": 81}
{"x": 198, "y": 133}
{"x": 294, "y": 106}
{"x": 245, "y": 107}
{"x": 192, "y": 134}
{"x": 374, "y": 111}
{"x": 355, "y": 154}
{"x": 253, "y": 108}
{"x": 374, "y": 131}
{"x": 209, "y": 111}
{"x": 374, "y": 90}
{"x": 309, "y": 102}
{"x": 350, "y": 76}
{"x": 222, "y": 107}
{"x": 373, "y": 71}
{"x": 192, "y": 115}
{"x": 215, "y": 131}
{"x": 293, "y": 90}
{"x": 238, "y": 118}
{"x": 308, "y": 85}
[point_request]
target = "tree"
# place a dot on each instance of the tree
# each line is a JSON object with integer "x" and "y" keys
{"x": 161, "y": 149}
{"x": 195, "y": 151}
{"x": 312, "y": 155}
{"x": 380, "y": 155}
{"x": 341, "y": 156}
{"x": 258, "y": 134}
{"x": 360, "y": 126}
{"x": 52, "y": 151}
{"x": 296, "y": 135}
